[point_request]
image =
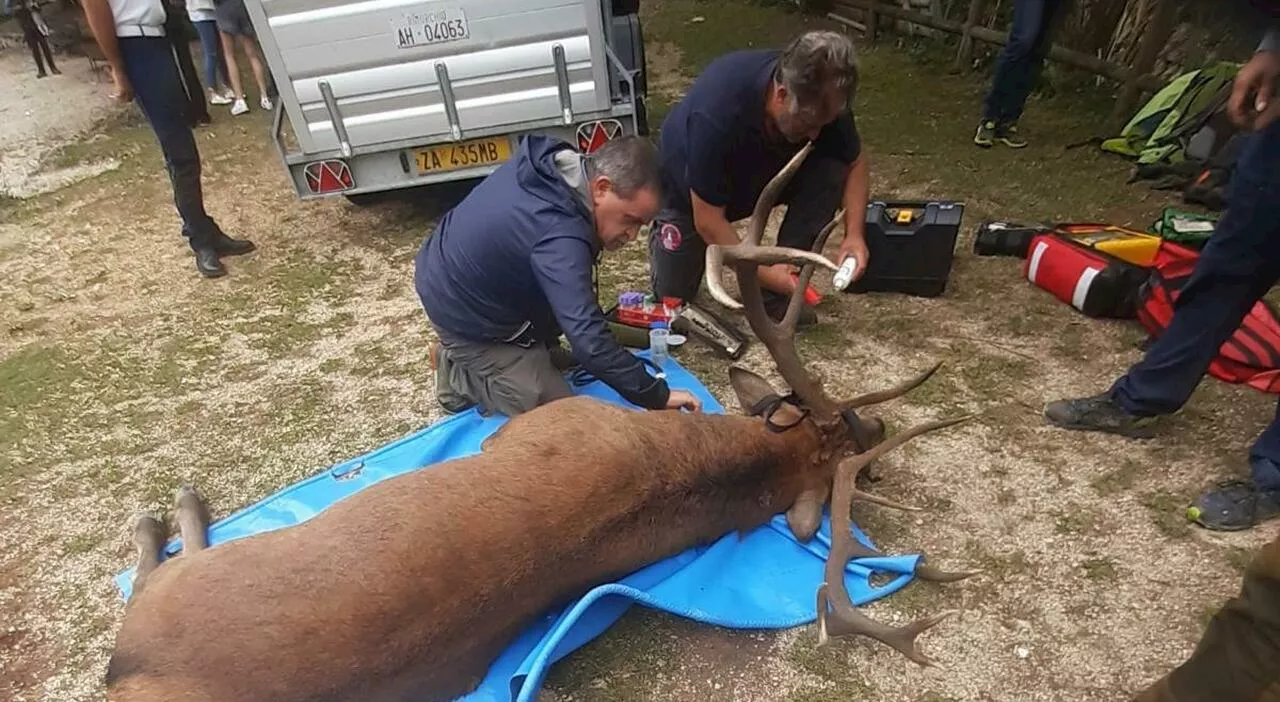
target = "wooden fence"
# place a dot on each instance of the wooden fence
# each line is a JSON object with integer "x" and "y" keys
{"x": 1159, "y": 18}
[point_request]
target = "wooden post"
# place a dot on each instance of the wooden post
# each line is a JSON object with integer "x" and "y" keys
{"x": 873, "y": 23}
{"x": 966, "y": 37}
{"x": 1163, "y": 16}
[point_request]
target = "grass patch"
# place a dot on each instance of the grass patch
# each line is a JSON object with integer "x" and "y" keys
{"x": 1077, "y": 520}
{"x": 830, "y": 665}
{"x": 1118, "y": 479}
{"x": 1100, "y": 569}
{"x": 1168, "y": 513}
{"x": 620, "y": 665}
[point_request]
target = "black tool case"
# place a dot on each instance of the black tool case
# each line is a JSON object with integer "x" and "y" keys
{"x": 912, "y": 246}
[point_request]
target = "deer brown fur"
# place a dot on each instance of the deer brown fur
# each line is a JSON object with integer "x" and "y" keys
{"x": 409, "y": 589}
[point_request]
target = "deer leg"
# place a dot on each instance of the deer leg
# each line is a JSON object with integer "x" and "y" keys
{"x": 193, "y": 519}
{"x": 805, "y": 516}
{"x": 148, "y": 536}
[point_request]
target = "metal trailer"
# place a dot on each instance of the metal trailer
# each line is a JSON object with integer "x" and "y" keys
{"x": 387, "y": 94}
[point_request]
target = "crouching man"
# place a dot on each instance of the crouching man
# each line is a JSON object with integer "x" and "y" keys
{"x": 743, "y": 119}
{"x": 511, "y": 268}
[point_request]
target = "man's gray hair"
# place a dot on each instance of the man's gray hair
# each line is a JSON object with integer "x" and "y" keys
{"x": 630, "y": 162}
{"x": 814, "y": 63}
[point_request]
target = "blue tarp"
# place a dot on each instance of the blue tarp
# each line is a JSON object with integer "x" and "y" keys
{"x": 764, "y": 580}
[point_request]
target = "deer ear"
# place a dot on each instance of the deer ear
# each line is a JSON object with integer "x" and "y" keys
{"x": 749, "y": 387}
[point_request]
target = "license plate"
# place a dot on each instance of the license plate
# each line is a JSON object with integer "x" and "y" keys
{"x": 429, "y": 27}
{"x": 451, "y": 157}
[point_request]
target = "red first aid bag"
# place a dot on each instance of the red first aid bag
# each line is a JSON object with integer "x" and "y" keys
{"x": 1092, "y": 281}
{"x": 1251, "y": 356}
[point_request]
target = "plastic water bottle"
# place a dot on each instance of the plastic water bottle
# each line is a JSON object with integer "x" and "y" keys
{"x": 658, "y": 333}
{"x": 844, "y": 276}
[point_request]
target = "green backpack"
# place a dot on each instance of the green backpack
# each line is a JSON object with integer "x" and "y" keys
{"x": 1156, "y": 132}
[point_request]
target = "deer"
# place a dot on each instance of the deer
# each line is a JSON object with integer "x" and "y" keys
{"x": 410, "y": 588}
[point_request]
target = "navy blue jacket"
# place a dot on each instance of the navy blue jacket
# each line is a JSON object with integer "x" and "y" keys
{"x": 715, "y": 143}
{"x": 513, "y": 262}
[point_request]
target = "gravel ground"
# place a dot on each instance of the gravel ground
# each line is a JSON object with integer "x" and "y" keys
{"x": 39, "y": 116}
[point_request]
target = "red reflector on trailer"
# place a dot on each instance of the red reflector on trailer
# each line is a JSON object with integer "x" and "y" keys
{"x": 328, "y": 177}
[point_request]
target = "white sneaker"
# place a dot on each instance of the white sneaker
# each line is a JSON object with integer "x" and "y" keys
{"x": 265, "y": 102}
{"x": 240, "y": 107}
{"x": 219, "y": 99}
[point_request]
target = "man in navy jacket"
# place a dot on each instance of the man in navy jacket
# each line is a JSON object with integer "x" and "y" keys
{"x": 511, "y": 268}
{"x": 743, "y": 119}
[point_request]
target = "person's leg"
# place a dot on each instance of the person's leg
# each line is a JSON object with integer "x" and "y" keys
{"x": 1240, "y": 262}
{"x": 197, "y": 109}
{"x": 48, "y": 54}
{"x": 1012, "y": 64}
{"x": 211, "y": 47}
{"x": 1025, "y": 81}
{"x": 157, "y": 88}
{"x": 1238, "y": 656}
{"x": 677, "y": 255}
{"x": 812, "y": 199}
{"x": 502, "y": 378}
{"x": 33, "y": 44}
{"x": 250, "y": 46}
{"x": 239, "y": 106}
{"x": 1234, "y": 505}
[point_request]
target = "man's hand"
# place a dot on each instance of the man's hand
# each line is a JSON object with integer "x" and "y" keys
{"x": 123, "y": 90}
{"x": 1251, "y": 105}
{"x": 855, "y": 246}
{"x": 680, "y": 399}
{"x": 777, "y": 278}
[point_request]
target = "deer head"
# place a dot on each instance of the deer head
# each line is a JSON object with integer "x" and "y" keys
{"x": 843, "y": 432}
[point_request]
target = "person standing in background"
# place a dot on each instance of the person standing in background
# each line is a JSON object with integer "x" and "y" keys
{"x": 35, "y": 33}
{"x": 234, "y": 23}
{"x": 217, "y": 84}
{"x": 131, "y": 35}
{"x": 1017, "y": 70}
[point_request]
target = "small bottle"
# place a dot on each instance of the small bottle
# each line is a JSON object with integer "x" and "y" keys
{"x": 844, "y": 276}
{"x": 658, "y": 333}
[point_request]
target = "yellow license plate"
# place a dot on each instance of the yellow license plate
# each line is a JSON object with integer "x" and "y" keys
{"x": 468, "y": 154}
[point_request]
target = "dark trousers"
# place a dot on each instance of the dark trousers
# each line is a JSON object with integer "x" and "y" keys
{"x": 40, "y": 51}
{"x": 1238, "y": 657}
{"x": 1238, "y": 265}
{"x": 215, "y": 64}
{"x": 677, "y": 254}
{"x": 1021, "y": 58}
{"x": 197, "y": 109}
{"x": 157, "y": 88}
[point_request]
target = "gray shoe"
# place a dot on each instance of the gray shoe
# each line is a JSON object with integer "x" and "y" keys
{"x": 986, "y": 134}
{"x": 1098, "y": 413}
{"x": 450, "y": 401}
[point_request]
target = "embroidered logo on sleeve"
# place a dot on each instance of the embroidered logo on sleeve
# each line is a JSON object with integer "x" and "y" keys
{"x": 670, "y": 237}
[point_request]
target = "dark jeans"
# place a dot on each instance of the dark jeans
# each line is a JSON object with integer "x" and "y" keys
{"x": 157, "y": 88}
{"x": 677, "y": 254}
{"x": 197, "y": 109}
{"x": 40, "y": 45}
{"x": 1021, "y": 58}
{"x": 215, "y": 67}
{"x": 1238, "y": 265}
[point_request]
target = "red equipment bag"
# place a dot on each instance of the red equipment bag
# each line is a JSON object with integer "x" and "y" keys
{"x": 1250, "y": 357}
{"x": 1094, "y": 282}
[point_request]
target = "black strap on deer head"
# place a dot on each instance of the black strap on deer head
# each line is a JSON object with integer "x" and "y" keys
{"x": 769, "y": 404}
{"x": 856, "y": 429}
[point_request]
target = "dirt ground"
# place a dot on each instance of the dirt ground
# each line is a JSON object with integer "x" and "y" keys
{"x": 123, "y": 375}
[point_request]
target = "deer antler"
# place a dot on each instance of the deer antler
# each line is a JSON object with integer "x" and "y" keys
{"x": 778, "y": 337}
{"x": 844, "y": 617}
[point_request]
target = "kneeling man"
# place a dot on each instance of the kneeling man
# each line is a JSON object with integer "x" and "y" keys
{"x": 744, "y": 117}
{"x": 511, "y": 268}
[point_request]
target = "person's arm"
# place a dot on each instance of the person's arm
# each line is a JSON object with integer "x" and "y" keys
{"x": 103, "y": 25}
{"x": 709, "y": 187}
{"x": 562, "y": 265}
{"x": 857, "y": 191}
